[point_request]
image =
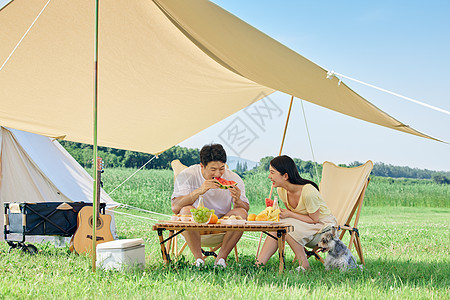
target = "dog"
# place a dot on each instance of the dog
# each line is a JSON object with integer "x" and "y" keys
{"x": 339, "y": 256}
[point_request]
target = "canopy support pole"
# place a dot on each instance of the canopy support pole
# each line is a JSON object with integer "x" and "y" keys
{"x": 284, "y": 137}
{"x": 94, "y": 161}
{"x": 281, "y": 149}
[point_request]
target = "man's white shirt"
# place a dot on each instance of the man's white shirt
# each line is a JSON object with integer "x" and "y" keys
{"x": 220, "y": 200}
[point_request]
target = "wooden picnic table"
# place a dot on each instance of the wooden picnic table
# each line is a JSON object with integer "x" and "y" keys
{"x": 179, "y": 227}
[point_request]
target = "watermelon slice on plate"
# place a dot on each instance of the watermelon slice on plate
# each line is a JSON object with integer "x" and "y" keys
{"x": 269, "y": 202}
{"x": 225, "y": 184}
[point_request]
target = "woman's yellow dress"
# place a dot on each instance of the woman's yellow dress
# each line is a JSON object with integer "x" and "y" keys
{"x": 310, "y": 201}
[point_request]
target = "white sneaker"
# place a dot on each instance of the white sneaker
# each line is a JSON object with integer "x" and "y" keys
{"x": 220, "y": 262}
{"x": 199, "y": 263}
{"x": 300, "y": 269}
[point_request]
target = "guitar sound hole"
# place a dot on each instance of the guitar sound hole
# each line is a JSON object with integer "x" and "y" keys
{"x": 99, "y": 222}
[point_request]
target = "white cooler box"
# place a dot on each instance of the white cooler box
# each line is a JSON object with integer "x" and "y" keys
{"x": 121, "y": 254}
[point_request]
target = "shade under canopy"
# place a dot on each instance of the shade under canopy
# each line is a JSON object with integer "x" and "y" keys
{"x": 167, "y": 70}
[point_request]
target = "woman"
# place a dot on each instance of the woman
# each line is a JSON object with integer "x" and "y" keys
{"x": 306, "y": 210}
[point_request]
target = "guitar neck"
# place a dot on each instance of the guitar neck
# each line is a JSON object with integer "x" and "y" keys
{"x": 99, "y": 189}
{"x": 99, "y": 183}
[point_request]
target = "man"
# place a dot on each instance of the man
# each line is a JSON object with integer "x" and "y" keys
{"x": 199, "y": 180}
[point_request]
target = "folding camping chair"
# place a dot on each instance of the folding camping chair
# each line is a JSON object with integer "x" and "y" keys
{"x": 213, "y": 241}
{"x": 343, "y": 190}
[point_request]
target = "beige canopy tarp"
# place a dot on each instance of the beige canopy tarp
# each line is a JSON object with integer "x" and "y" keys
{"x": 167, "y": 70}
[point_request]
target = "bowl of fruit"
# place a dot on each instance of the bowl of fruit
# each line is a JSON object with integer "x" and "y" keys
{"x": 202, "y": 215}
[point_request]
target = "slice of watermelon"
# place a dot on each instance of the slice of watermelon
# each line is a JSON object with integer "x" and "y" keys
{"x": 269, "y": 202}
{"x": 225, "y": 184}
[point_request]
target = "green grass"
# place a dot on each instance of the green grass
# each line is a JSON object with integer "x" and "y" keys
{"x": 152, "y": 189}
{"x": 148, "y": 189}
{"x": 407, "y": 192}
{"x": 406, "y": 252}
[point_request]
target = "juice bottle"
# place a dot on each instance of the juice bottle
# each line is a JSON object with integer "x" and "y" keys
{"x": 275, "y": 206}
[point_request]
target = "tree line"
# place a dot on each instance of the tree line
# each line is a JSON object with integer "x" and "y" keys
{"x": 114, "y": 158}
{"x": 308, "y": 168}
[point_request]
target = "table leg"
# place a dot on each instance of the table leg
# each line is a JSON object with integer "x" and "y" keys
{"x": 175, "y": 246}
{"x": 164, "y": 254}
{"x": 169, "y": 242}
{"x": 281, "y": 235}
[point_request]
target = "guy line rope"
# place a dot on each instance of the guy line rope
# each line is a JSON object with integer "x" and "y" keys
{"x": 310, "y": 143}
{"x": 331, "y": 74}
{"x": 154, "y": 156}
{"x": 24, "y": 35}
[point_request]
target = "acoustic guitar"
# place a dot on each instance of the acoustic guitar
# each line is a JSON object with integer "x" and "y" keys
{"x": 82, "y": 240}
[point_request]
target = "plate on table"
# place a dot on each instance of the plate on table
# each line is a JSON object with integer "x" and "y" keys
{"x": 176, "y": 222}
{"x": 263, "y": 223}
{"x": 232, "y": 222}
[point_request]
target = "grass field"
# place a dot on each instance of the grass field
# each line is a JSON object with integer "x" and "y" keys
{"x": 406, "y": 251}
{"x": 151, "y": 189}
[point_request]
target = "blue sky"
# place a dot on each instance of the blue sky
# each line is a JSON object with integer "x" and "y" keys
{"x": 402, "y": 46}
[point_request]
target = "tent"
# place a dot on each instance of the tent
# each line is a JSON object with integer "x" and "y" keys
{"x": 36, "y": 168}
{"x": 163, "y": 65}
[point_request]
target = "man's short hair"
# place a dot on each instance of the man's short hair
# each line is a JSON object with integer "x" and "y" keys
{"x": 212, "y": 152}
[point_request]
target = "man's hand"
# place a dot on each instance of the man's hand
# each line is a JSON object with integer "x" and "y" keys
{"x": 207, "y": 185}
{"x": 235, "y": 193}
{"x": 179, "y": 202}
{"x": 236, "y": 198}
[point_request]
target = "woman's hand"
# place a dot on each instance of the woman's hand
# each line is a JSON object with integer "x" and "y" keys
{"x": 309, "y": 218}
{"x": 285, "y": 213}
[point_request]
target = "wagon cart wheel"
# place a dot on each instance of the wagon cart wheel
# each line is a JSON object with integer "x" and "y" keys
{"x": 30, "y": 249}
{"x": 12, "y": 245}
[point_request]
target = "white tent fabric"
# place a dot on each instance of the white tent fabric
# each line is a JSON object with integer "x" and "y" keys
{"x": 38, "y": 169}
{"x": 167, "y": 70}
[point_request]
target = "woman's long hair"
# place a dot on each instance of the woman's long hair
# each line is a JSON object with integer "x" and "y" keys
{"x": 284, "y": 164}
